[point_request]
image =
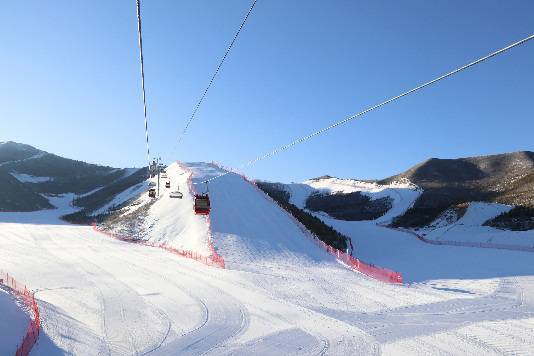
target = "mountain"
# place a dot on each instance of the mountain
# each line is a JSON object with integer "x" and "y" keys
{"x": 435, "y": 188}
{"x": 12, "y": 151}
{"x": 504, "y": 178}
{"x": 28, "y": 175}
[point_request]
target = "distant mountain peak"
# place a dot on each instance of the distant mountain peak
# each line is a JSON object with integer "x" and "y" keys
{"x": 475, "y": 168}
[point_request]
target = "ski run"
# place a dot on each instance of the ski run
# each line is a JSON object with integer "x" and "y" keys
{"x": 278, "y": 295}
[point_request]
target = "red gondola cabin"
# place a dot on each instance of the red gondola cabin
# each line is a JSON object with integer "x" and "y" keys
{"x": 202, "y": 204}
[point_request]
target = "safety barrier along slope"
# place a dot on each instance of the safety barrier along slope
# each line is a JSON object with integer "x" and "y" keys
{"x": 376, "y": 272}
{"x": 28, "y": 298}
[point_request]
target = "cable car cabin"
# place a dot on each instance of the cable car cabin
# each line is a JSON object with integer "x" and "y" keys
{"x": 167, "y": 184}
{"x": 152, "y": 193}
{"x": 202, "y": 204}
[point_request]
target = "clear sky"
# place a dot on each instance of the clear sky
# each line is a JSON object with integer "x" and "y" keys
{"x": 70, "y": 81}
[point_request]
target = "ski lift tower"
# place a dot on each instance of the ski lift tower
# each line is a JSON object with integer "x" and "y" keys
{"x": 155, "y": 169}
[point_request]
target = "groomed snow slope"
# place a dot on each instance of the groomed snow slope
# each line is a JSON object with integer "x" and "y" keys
{"x": 248, "y": 229}
{"x": 13, "y": 322}
{"x": 280, "y": 295}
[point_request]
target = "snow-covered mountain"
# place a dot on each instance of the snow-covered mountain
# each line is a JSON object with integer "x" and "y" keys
{"x": 433, "y": 188}
{"x": 29, "y": 176}
{"x": 504, "y": 178}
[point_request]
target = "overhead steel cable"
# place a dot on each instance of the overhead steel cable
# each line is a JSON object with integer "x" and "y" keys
{"x": 140, "y": 37}
{"x": 377, "y": 106}
{"x": 201, "y": 100}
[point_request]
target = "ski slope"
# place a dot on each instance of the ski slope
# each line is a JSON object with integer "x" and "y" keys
{"x": 279, "y": 295}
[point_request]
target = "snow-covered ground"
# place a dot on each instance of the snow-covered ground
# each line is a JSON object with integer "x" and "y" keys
{"x": 13, "y": 322}
{"x": 49, "y": 216}
{"x": 469, "y": 228}
{"x": 280, "y": 294}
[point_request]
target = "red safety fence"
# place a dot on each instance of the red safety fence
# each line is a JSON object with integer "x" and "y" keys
{"x": 379, "y": 273}
{"x": 28, "y": 298}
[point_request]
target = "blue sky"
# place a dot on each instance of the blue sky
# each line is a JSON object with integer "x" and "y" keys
{"x": 70, "y": 81}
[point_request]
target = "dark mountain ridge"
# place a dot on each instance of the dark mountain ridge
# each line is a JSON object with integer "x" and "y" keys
{"x": 503, "y": 178}
{"x": 482, "y": 168}
{"x": 27, "y": 173}
{"x": 13, "y": 151}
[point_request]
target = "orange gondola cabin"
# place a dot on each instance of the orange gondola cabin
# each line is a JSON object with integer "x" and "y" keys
{"x": 202, "y": 204}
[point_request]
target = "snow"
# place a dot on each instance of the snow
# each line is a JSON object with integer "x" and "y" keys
{"x": 420, "y": 262}
{"x": 13, "y": 322}
{"x": 26, "y": 178}
{"x": 50, "y": 216}
{"x": 279, "y": 295}
{"x": 470, "y": 229}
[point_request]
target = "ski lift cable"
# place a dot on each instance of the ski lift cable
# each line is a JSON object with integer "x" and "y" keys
{"x": 201, "y": 100}
{"x": 377, "y": 106}
{"x": 140, "y": 38}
